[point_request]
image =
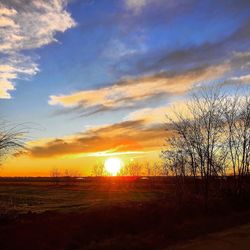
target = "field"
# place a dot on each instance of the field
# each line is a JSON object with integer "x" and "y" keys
{"x": 77, "y": 195}
{"x": 102, "y": 213}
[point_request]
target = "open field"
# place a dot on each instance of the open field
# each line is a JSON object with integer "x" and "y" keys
{"x": 29, "y": 195}
{"x": 103, "y": 213}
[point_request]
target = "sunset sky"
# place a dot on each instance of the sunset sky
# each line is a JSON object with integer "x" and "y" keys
{"x": 93, "y": 79}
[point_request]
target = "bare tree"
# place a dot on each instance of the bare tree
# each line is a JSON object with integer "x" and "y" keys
{"x": 55, "y": 175}
{"x": 70, "y": 176}
{"x": 212, "y": 141}
{"x": 98, "y": 169}
{"x": 134, "y": 168}
{"x": 237, "y": 132}
{"x": 196, "y": 148}
{"x": 155, "y": 169}
{"x": 148, "y": 168}
{"x": 72, "y": 173}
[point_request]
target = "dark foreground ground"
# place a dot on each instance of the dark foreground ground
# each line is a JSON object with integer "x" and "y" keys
{"x": 106, "y": 213}
{"x": 236, "y": 238}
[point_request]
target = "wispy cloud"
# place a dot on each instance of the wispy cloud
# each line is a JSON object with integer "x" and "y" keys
{"x": 241, "y": 79}
{"x": 129, "y": 93}
{"x": 117, "y": 49}
{"x": 24, "y": 26}
{"x": 209, "y": 53}
{"x": 136, "y": 5}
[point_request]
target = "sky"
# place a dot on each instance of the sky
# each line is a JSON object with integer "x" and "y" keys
{"x": 93, "y": 79}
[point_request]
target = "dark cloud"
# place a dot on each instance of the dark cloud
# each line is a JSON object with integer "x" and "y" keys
{"x": 207, "y": 53}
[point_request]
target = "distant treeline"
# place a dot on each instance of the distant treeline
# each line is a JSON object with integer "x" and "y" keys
{"x": 134, "y": 168}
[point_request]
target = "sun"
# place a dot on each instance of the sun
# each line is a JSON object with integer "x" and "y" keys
{"x": 113, "y": 165}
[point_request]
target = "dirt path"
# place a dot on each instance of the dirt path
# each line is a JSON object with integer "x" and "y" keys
{"x": 237, "y": 238}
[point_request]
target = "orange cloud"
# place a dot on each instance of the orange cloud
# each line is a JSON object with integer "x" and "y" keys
{"x": 127, "y": 136}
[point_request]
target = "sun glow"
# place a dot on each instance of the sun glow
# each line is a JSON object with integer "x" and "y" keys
{"x": 113, "y": 165}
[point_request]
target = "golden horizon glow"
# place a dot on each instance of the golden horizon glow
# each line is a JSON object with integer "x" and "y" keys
{"x": 113, "y": 166}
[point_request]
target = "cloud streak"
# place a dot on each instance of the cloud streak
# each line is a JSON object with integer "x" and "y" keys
{"x": 129, "y": 93}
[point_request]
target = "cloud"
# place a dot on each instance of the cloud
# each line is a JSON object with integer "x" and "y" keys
{"x": 33, "y": 24}
{"x": 139, "y": 14}
{"x": 129, "y": 93}
{"x": 13, "y": 67}
{"x": 117, "y": 49}
{"x": 124, "y": 137}
{"x": 240, "y": 65}
{"x": 136, "y": 5}
{"x": 237, "y": 81}
{"x": 209, "y": 53}
{"x": 25, "y": 26}
{"x": 241, "y": 79}
{"x": 143, "y": 130}
{"x": 157, "y": 115}
{"x": 241, "y": 60}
